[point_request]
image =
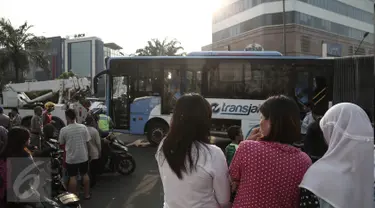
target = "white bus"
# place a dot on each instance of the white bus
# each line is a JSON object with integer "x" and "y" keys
{"x": 141, "y": 91}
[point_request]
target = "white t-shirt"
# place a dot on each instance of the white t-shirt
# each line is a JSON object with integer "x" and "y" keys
{"x": 75, "y": 137}
{"x": 309, "y": 119}
{"x": 94, "y": 143}
{"x": 207, "y": 187}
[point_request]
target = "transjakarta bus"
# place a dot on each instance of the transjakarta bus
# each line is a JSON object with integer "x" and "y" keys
{"x": 141, "y": 91}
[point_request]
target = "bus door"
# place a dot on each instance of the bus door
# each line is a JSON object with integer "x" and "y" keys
{"x": 118, "y": 95}
{"x": 313, "y": 87}
{"x": 122, "y": 96}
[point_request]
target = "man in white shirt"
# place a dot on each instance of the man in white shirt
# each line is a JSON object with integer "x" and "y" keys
{"x": 95, "y": 149}
{"x": 75, "y": 138}
{"x": 309, "y": 119}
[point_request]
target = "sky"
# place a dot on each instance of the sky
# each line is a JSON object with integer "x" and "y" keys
{"x": 129, "y": 23}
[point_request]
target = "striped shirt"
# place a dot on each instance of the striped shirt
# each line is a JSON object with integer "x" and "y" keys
{"x": 75, "y": 137}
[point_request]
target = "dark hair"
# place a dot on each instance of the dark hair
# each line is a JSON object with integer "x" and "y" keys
{"x": 17, "y": 138}
{"x": 310, "y": 105}
{"x": 283, "y": 113}
{"x": 315, "y": 145}
{"x": 90, "y": 120}
{"x": 15, "y": 110}
{"x": 48, "y": 130}
{"x": 190, "y": 125}
{"x": 38, "y": 108}
{"x": 233, "y": 131}
{"x": 71, "y": 114}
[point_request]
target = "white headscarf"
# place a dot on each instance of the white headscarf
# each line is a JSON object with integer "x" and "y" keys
{"x": 344, "y": 176}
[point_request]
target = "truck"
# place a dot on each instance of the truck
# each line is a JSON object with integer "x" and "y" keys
{"x": 66, "y": 92}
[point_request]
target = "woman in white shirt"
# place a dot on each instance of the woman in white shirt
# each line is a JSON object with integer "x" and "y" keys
{"x": 193, "y": 172}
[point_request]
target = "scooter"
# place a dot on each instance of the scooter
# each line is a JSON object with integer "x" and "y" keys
{"x": 55, "y": 185}
{"x": 115, "y": 156}
{"x": 65, "y": 200}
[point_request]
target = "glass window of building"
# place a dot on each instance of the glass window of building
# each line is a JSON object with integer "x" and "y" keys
{"x": 80, "y": 58}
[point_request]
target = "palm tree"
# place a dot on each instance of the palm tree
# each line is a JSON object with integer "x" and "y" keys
{"x": 20, "y": 49}
{"x": 155, "y": 47}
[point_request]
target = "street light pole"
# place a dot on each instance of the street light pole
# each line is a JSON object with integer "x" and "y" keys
{"x": 360, "y": 43}
{"x": 284, "y": 32}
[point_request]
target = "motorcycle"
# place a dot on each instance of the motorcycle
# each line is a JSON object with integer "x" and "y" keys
{"x": 115, "y": 156}
{"x": 65, "y": 200}
{"x": 54, "y": 185}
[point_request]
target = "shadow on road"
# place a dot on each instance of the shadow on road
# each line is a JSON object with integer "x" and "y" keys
{"x": 141, "y": 189}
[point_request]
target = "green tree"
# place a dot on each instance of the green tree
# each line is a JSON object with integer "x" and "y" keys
{"x": 155, "y": 47}
{"x": 66, "y": 75}
{"x": 20, "y": 49}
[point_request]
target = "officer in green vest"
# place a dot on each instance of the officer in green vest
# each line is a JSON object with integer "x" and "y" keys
{"x": 235, "y": 134}
{"x": 104, "y": 123}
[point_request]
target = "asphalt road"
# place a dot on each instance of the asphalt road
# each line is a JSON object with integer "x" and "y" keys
{"x": 140, "y": 190}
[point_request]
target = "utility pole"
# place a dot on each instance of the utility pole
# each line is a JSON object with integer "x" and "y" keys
{"x": 360, "y": 43}
{"x": 284, "y": 25}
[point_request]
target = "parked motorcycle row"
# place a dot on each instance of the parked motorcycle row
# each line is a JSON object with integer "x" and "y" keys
{"x": 115, "y": 158}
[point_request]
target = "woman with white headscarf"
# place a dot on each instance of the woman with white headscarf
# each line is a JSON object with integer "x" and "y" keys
{"x": 344, "y": 176}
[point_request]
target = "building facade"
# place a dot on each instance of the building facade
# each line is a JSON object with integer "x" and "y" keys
{"x": 340, "y": 25}
{"x": 112, "y": 50}
{"x": 84, "y": 56}
{"x": 54, "y": 53}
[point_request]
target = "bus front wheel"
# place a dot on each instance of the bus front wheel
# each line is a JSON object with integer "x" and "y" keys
{"x": 156, "y": 131}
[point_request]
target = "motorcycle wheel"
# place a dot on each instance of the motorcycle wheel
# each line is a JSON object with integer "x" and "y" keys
{"x": 126, "y": 165}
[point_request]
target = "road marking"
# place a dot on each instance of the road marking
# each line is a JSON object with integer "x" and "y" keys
{"x": 147, "y": 184}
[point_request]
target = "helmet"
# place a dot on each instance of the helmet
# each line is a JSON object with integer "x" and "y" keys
{"x": 49, "y": 105}
{"x": 99, "y": 111}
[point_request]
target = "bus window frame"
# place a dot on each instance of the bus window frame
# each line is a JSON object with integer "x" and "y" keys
{"x": 281, "y": 62}
{"x": 206, "y": 63}
{"x": 166, "y": 63}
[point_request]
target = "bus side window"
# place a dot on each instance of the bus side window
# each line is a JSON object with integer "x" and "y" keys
{"x": 172, "y": 81}
{"x": 253, "y": 81}
{"x": 225, "y": 80}
{"x": 264, "y": 80}
{"x": 147, "y": 82}
{"x": 193, "y": 81}
{"x": 302, "y": 91}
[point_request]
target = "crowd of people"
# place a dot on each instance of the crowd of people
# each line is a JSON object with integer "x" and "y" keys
{"x": 333, "y": 169}
{"x": 20, "y": 147}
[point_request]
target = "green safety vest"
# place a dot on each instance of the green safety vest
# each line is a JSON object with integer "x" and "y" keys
{"x": 230, "y": 150}
{"x": 103, "y": 122}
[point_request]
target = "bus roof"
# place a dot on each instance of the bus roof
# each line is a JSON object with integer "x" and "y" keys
{"x": 212, "y": 57}
{"x": 127, "y": 60}
{"x": 235, "y": 53}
